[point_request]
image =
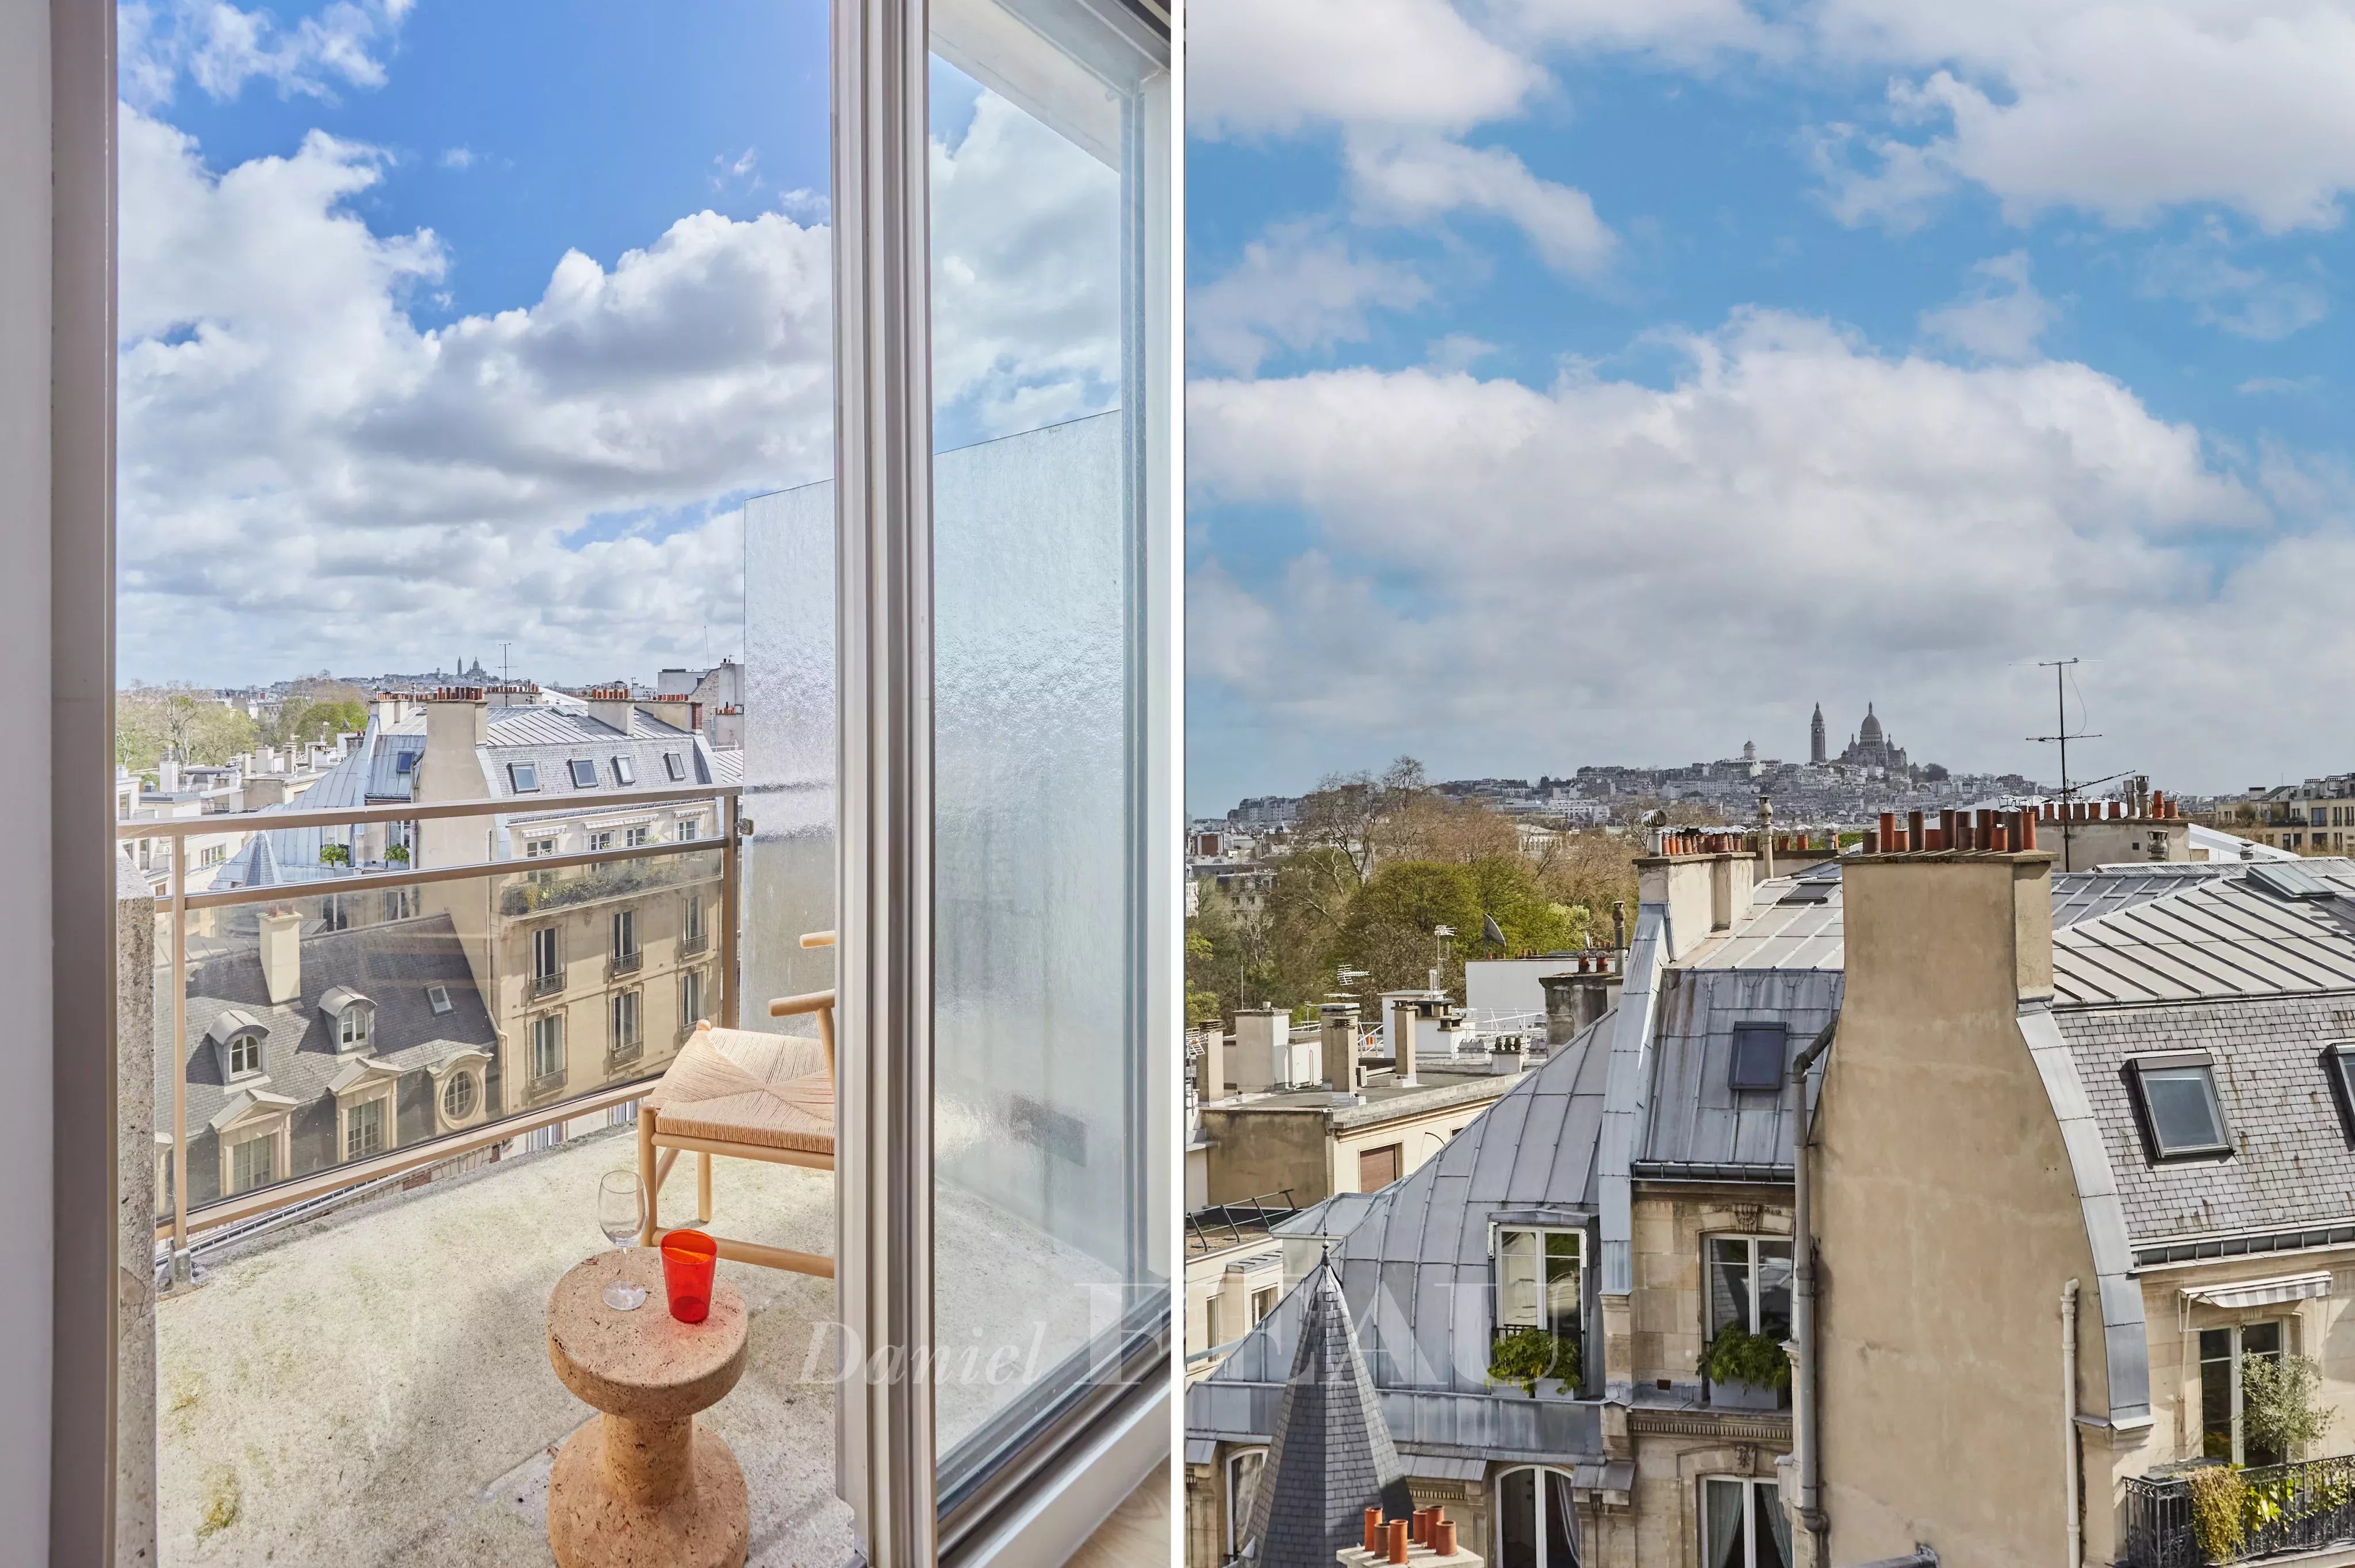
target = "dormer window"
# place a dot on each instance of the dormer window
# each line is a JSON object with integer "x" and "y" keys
{"x": 244, "y": 1056}
{"x": 1758, "y": 1054}
{"x": 625, "y": 772}
{"x": 675, "y": 765}
{"x": 2175, "y": 1104}
{"x": 354, "y": 1016}
{"x": 404, "y": 762}
{"x": 522, "y": 778}
{"x": 584, "y": 773}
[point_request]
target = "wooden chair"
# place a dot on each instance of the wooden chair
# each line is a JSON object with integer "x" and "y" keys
{"x": 751, "y": 1096}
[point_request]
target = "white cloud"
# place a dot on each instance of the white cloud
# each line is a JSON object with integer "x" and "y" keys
{"x": 2001, "y": 318}
{"x": 1603, "y": 568}
{"x": 458, "y": 158}
{"x": 1026, "y": 275}
{"x": 2244, "y": 301}
{"x": 2128, "y": 109}
{"x": 221, "y": 48}
{"x": 1420, "y": 179}
{"x": 1297, "y": 286}
{"x": 308, "y": 478}
{"x": 2258, "y": 385}
{"x": 1260, "y": 68}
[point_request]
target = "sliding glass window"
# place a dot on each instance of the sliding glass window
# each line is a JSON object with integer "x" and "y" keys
{"x": 1045, "y": 177}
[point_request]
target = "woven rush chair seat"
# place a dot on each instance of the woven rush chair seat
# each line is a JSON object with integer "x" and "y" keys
{"x": 748, "y": 1096}
{"x": 739, "y": 1085}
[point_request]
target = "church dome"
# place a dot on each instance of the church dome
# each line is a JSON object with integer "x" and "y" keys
{"x": 1869, "y": 734}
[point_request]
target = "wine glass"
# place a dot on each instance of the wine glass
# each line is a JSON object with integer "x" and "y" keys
{"x": 621, "y": 1215}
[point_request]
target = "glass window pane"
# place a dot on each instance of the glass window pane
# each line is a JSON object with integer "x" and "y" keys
{"x": 1516, "y": 1521}
{"x": 2216, "y": 1393}
{"x": 1720, "y": 1504}
{"x": 1774, "y": 1290}
{"x": 1561, "y": 1284}
{"x": 2183, "y": 1111}
{"x": 1517, "y": 1279}
{"x": 1771, "y": 1534}
{"x": 1728, "y": 1284}
{"x": 1561, "y": 1522}
{"x": 1039, "y": 1045}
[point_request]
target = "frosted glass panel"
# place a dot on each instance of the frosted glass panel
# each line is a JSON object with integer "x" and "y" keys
{"x": 1038, "y": 1052}
{"x": 789, "y": 748}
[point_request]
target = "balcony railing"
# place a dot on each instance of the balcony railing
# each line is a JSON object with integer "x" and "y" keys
{"x": 249, "y": 970}
{"x": 2264, "y": 1511}
{"x": 693, "y": 943}
{"x": 627, "y": 963}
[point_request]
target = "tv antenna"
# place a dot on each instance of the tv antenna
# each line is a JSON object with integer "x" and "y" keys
{"x": 505, "y": 679}
{"x": 2062, "y": 735}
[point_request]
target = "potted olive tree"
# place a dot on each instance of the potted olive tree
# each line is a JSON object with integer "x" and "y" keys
{"x": 1746, "y": 1370}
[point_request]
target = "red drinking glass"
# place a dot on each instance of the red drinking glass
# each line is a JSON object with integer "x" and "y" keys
{"x": 688, "y": 1259}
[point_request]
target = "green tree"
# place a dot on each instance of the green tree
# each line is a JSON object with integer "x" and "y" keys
{"x": 187, "y": 722}
{"x": 319, "y": 721}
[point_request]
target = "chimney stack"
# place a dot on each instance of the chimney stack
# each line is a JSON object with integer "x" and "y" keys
{"x": 282, "y": 956}
{"x": 1211, "y": 1072}
{"x": 612, "y": 705}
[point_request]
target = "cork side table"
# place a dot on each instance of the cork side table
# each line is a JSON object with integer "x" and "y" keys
{"x": 641, "y": 1488}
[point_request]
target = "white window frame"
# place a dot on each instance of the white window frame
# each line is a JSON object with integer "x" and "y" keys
{"x": 625, "y": 1021}
{"x": 2237, "y": 1358}
{"x": 238, "y": 1044}
{"x": 1542, "y": 1498}
{"x": 471, "y": 1081}
{"x": 636, "y": 837}
{"x": 349, "y": 1121}
{"x": 522, "y": 778}
{"x": 1756, "y": 1493}
{"x": 534, "y": 849}
{"x": 601, "y": 839}
{"x": 690, "y": 998}
{"x": 689, "y": 829}
{"x": 549, "y": 964}
{"x": 625, "y": 772}
{"x": 352, "y": 1027}
{"x": 235, "y": 1185}
{"x": 574, "y": 767}
{"x": 437, "y": 997}
{"x": 1499, "y": 1245}
{"x": 547, "y": 1046}
{"x": 675, "y": 766}
{"x": 1751, "y": 1242}
{"x": 626, "y": 933}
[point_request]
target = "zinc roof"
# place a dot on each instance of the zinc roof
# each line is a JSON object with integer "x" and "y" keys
{"x": 2212, "y": 937}
{"x": 1699, "y": 1125}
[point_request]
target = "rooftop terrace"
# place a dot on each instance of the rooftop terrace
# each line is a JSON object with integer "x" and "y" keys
{"x": 373, "y": 1388}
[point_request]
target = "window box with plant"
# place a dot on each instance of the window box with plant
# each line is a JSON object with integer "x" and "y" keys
{"x": 1541, "y": 1365}
{"x": 1746, "y": 1370}
{"x": 1749, "y": 1304}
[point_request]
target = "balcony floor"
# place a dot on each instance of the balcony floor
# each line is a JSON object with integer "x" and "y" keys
{"x": 374, "y": 1388}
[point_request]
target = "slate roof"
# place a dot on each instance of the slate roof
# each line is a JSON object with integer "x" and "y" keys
{"x": 1699, "y": 1127}
{"x": 1415, "y": 1270}
{"x": 1330, "y": 1457}
{"x": 392, "y": 964}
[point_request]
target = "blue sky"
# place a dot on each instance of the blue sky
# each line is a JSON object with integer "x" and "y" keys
{"x": 1578, "y": 383}
{"x": 445, "y": 327}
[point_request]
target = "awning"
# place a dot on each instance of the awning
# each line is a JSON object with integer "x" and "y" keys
{"x": 2261, "y": 1292}
{"x": 1443, "y": 1467}
{"x": 1201, "y": 1450}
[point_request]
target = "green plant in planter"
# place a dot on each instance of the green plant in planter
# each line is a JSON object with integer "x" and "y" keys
{"x": 1737, "y": 1355}
{"x": 334, "y": 854}
{"x": 2219, "y": 1511}
{"x": 1525, "y": 1355}
{"x": 396, "y": 854}
{"x": 2278, "y": 1411}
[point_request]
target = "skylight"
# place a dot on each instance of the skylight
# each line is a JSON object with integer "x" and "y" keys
{"x": 2338, "y": 1068}
{"x": 584, "y": 773}
{"x": 1758, "y": 1056}
{"x": 522, "y": 778}
{"x": 674, "y": 765}
{"x": 438, "y": 997}
{"x": 404, "y": 762}
{"x": 625, "y": 772}
{"x": 2290, "y": 880}
{"x": 2181, "y": 1118}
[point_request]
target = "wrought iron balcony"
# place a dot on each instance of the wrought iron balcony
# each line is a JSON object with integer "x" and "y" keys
{"x": 2266, "y": 1510}
{"x": 628, "y": 963}
{"x": 546, "y": 984}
